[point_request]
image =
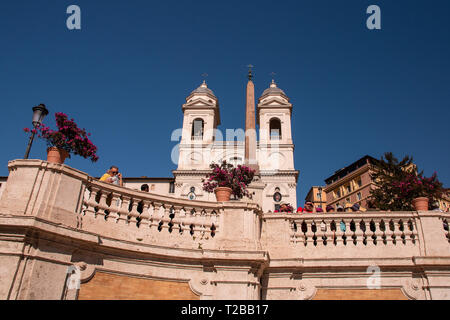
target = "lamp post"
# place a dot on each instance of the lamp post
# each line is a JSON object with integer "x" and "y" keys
{"x": 39, "y": 113}
{"x": 320, "y": 197}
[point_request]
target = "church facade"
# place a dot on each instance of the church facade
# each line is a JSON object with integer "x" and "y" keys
{"x": 203, "y": 143}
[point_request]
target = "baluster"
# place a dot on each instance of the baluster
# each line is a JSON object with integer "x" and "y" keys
{"x": 102, "y": 206}
{"x": 145, "y": 215}
{"x": 184, "y": 229}
{"x": 309, "y": 234}
{"x": 292, "y": 231}
{"x": 398, "y": 233}
{"x": 86, "y": 198}
{"x": 390, "y": 233}
{"x": 197, "y": 225}
{"x": 156, "y": 216}
{"x": 339, "y": 232}
{"x": 377, "y": 234}
{"x": 401, "y": 231}
{"x": 408, "y": 232}
{"x": 114, "y": 208}
{"x": 152, "y": 220}
{"x": 215, "y": 222}
{"x": 91, "y": 203}
{"x": 176, "y": 220}
{"x": 323, "y": 234}
{"x": 296, "y": 233}
{"x": 361, "y": 232}
{"x": 124, "y": 211}
{"x": 134, "y": 213}
{"x": 344, "y": 226}
{"x": 354, "y": 232}
{"x": 165, "y": 212}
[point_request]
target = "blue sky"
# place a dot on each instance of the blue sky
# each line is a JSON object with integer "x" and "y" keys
{"x": 126, "y": 73}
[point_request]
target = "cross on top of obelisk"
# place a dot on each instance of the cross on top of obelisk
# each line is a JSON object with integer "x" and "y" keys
{"x": 250, "y": 75}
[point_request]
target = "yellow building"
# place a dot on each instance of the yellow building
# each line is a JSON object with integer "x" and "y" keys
{"x": 317, "y": 196}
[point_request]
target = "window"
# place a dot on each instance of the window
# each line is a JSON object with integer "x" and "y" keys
{"x": 172, "y": 187}
{"x": 347, "y": 200}
{"x": 275, "y": 129}
{"x": 338, "y": 193}
{"x": 359, "y": 196}
{"x": 359, "y": 183}
{"x": 197, "y": 129}
{"x": 348, "y": 188}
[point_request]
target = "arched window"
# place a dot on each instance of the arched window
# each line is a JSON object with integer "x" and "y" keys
{"x": 275, "y": 129}
{"x": 197, "y": 129}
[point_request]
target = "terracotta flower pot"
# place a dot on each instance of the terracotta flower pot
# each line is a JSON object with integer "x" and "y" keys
{"x": 223, "y": 194}
{"x": 55, "y": 155}
{"x": 420, "y": 203}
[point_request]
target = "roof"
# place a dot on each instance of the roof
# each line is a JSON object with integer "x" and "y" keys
{"x": 203, "y": 89}
{"x": 339, "y": 174}
{"x": 273, "y": 89}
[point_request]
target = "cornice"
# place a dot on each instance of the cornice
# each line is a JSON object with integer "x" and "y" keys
{"x": 347, "y": 178}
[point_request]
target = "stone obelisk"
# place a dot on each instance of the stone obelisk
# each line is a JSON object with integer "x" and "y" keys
{"x": 250, "y": 125}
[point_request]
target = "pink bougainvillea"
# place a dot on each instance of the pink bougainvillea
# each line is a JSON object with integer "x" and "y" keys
{"x": 226, "y": 175}
{"x": 68, "y": 137}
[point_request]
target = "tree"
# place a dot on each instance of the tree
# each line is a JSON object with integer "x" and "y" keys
{"x": 398, "y": 183}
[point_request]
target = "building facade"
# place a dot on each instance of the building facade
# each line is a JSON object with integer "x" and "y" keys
{"x": 351, "y": 184}
{"x": 202, "y": 143}
{"x": 317, "y": 196}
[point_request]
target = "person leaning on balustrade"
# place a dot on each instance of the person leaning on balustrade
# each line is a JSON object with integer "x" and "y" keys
{"x": 357, "y": 208}
{"x": 113, "y": 176}
{"x": 309, "y": 207}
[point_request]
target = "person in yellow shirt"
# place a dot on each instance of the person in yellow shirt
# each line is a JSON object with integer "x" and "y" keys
{"x": 113, "y": 176}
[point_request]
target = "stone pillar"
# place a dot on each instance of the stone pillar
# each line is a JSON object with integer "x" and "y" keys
{"x": 436, "y": 254}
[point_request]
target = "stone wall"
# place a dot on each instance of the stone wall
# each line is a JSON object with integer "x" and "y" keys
{"x": 65, "y": 235}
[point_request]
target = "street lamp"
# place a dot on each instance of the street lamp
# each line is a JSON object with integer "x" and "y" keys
{"x": 39, "y": 113}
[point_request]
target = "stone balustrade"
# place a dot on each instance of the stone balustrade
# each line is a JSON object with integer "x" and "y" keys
{"x": 361, "y": 234}
{"x": 389, "y": 229}
{"x": 106, "y": 206}
{"x": 58, "y": 216}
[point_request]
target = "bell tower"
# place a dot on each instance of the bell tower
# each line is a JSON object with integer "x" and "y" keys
{"x": 201, "y": 117}
{"x": 276, "y": 148}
